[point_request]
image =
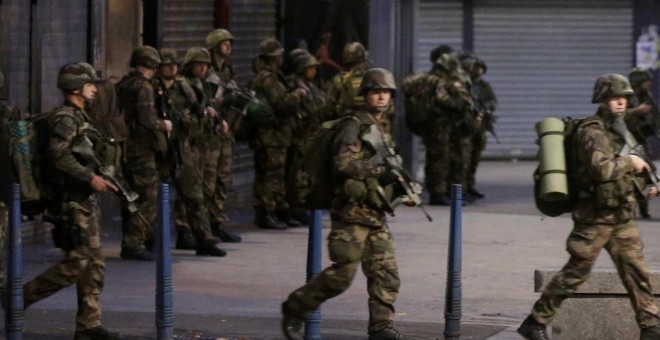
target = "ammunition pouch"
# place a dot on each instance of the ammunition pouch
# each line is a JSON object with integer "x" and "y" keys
{"x": 614, "y": 194}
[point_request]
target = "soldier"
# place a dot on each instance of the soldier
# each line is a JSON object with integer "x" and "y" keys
{"x": 453, "y": 102}
{"x": 271, "y": 140}
{"x": 220, "y": 76}
{"x": 75, "y": 208}
{"x": 486, "y": 103}
{"x": 359, "y": 233}
{"x": 643, "y": 118}
{"x": 603, "y": 215}
{"x": 145, "y": 148}
{"x": 178, "y": 99}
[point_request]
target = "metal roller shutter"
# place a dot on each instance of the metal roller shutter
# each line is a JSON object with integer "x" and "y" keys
{"x": 186, "y": 24}
{"x": 436, "y": 23}
{"x": 543, "y": 57}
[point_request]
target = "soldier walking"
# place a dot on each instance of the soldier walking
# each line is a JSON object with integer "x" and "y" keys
{"x": 74, "y": 207}
{"x": 359, "y": 233}
{"x": 602, "y": 217}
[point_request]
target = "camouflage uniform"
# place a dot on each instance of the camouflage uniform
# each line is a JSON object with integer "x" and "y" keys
{"x": 453, "y": 103}
{"x": 270, "y": 143}
{"x": 148, "y": 140}
{"x": 485, "y": 99}
{"x": 359, "y": 235}
{"x": 602, "y": 219}
{"x": 77, "y": 208}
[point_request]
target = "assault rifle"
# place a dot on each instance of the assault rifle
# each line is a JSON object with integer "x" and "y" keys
{"x": 84, "y": 148}
{"x": 392, "y": 161}
{"x": 633, "y": 148}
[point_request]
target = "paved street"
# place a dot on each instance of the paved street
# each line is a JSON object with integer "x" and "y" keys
{"x": 238, "y": 297}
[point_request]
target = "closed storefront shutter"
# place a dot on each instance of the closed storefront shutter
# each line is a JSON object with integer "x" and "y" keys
{"x": 543, "y": 58}
{"x": 186, "y": 24}
{"x": 436, "y": 23}
{"x": 63, "y": 26}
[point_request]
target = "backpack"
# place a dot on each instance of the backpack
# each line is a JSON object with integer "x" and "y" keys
{"x": 28, "y": 153}
{"x": 418, "y": 90}
{"x": 565, "y": 204}
{"x": 314, "y": 174}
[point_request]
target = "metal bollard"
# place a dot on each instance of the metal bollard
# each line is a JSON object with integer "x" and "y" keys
{"x": 164, "y": 293}
{"x": 314, "y": 253}
{"x": 453, "y": 293}
{"x": 15, "y": 312}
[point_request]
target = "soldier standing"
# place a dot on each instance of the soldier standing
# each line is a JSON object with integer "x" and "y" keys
{"x": 486, "y": 103}
{"x": 603, "y": 215}
{"x": 643, "y": 118}
{"x": 453, "y": 102}
{"x": 75, "y": 207}
{"x": 146, "y": 146}
{"x": 359, "y": 233}
{"x": 176, "y": 97}
{"x": 271, "y": 140}
{"x": 220, "y": 76}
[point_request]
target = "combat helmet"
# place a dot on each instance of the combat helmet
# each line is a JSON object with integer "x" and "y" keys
{"x": 168, "y": 56}
{"x": 439, "y": 51}
{"x": 354, "y": 52}
{"x": 217, "y": 36}
{"x": 146, "y": 56}
{"x": 377, "y": 78}
{"x": 639, "y": 75}
{"x": 74, "y": 76}
{"x": 197, "y": 55}
{"x": 270, "y": 47}
{"x": 304, "y": 61}
{"x": 610, "y": 85}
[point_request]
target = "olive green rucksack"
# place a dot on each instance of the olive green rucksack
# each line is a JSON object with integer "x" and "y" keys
{"x": 314, "y": 171}
{"x": 418, "y": 90}
{"x": 572, "y": 128}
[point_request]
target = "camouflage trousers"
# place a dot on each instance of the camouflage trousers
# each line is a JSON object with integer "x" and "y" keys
{"x": 83, "y": 266}
{"x": 349, "y": 246}
{"x": 218, "y": 181}
{"x": 142, "y": 175}
{"x": 269, "y": 188}
{"x": 190, "y": 211}
{"x": 436, "y": 167}
{"x": 459, "y": 159}
{"x": 584, "y": 244}
{"x": 478, "y": 144}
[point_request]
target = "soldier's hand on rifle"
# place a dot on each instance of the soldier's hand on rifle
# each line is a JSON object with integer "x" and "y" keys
{"x": 223, "y": 127}
{"x": 211, "y": 112}
{"x": 99, "y": 184}
{"x": 168, "y": 125}
{"x": 653, "y": 192}
{"x": 639, "y": 164}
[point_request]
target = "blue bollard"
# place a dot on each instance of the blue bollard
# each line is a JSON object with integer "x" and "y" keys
{"x": 15, "y": 312}
{"x": 164, "y": 293}
{"x": 453, "y": 293}
{"x": 314, "y": 253}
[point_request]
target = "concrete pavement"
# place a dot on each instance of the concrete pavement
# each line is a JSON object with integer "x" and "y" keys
{"x": 238, "y": 297}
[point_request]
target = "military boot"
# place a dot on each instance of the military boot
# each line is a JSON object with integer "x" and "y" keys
{"x": 474, "y": 192}
{"x": 651, "y": 333}
{"x": 290, "y": 221}
{"x": 291, "y": 324}
{"x": 387, "y": 334}
{"x": 210, "y": 249}
{"x": 96, "y": 333}
{"x": 219, "y": 230}
{"x": 532, "y": 330}
{"x": 136, "y": 254}
{"x": 185, "y": 240}
{"x": 268, "y": 220}
{"x": 644, "y": 209}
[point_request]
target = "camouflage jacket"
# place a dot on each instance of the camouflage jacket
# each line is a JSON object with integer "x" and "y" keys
{"x": 311, "y": 111}
{"x": 607, "y": 188}
{"x": 343, "y": 91}
{"x": 359, "y": 177}
{"x": 485, "y": 101}
{"x": 178, "y": 100}
{"x": 643, "y": 125}
{"x": 147, "y": 129}
{"x": 271, "y": 87}
{"x": 70, "y": 175}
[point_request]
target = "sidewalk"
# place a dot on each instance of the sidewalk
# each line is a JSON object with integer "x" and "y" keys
{"x": 238, "y": 297}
